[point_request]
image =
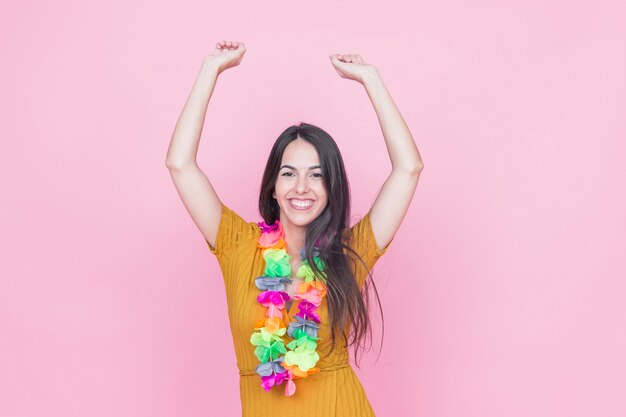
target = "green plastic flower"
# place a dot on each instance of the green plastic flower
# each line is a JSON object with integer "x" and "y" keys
{"x": 304, "y": 358}
{"x": 302, "y": 339}
{"x": 274, "y": 350}
{"x": 263, "y": 338}
{"x": 305, "y": 271}
{"x": 277, "y": 263}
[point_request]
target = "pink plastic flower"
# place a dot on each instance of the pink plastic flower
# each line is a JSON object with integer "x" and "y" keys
{"x": 271, "y": 238}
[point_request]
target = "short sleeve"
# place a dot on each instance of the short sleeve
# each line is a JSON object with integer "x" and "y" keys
{"x": 363, "y": 242}
{"x": 232, "y": 230}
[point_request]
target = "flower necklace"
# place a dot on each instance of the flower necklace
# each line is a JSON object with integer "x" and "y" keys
{"x": 300, "y": 360}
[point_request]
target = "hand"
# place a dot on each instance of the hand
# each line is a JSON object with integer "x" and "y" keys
{"x": 225, "y": 55}
{"x": 352, "y": 67}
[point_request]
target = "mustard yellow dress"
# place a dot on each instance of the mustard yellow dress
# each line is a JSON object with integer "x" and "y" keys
{"x": 335, "y": 390}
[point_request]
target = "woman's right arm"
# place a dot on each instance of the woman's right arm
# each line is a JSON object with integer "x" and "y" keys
{"x": 193, "y": 186}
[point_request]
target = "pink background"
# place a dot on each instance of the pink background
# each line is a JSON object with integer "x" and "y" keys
{"x": 502, "y": 292}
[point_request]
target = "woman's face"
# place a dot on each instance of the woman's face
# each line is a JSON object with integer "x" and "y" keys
{"x": 300, "y": 182}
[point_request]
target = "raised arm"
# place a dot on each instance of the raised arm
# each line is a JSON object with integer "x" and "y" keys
{"x": 394, "y": 198}
{"x": 193, "y": 186}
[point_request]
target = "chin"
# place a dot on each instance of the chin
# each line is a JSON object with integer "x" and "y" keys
{"x": 300, "y": 219}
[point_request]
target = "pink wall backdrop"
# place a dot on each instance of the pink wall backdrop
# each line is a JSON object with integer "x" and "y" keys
{"x": 502, "y": 293}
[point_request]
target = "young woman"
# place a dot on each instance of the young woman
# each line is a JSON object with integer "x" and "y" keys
{"x": 295, "y": 282}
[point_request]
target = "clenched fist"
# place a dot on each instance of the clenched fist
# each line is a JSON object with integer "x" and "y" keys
{"x": 352, "y": 67}
{"x": 226, "y": 54}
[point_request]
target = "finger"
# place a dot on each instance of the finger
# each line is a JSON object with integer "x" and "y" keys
{"x": 338, "y": 61}
{"x": 358, "y": 59}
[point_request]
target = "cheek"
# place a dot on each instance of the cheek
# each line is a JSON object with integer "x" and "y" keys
{"x": 278, "y": 187}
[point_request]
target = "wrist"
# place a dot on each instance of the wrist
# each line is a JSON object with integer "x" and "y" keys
{"x": 372, "y": 78}
{"x": 210, "y": 66}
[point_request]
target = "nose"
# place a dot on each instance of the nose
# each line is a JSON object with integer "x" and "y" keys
{"x": 302, "y": 185}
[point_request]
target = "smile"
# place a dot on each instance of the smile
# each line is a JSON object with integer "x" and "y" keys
{"x": 300, "y": 204}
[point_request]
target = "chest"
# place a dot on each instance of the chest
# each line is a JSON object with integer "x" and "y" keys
{"x": 292, "y": 288}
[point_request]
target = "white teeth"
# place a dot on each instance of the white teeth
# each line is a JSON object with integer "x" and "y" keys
{"x": 301, "y": 204}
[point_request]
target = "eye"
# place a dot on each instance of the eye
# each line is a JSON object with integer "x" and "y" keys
{"x": 289, "y": 174}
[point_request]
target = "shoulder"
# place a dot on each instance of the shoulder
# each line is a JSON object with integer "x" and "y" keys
{"x": 233, "y": 230}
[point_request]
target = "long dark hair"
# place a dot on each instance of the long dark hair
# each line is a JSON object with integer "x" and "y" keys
{"x": 347, "y": 305}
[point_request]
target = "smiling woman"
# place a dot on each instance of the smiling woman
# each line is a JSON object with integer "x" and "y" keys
{"x": 296, "y": 281}
{"x": 304, "y": 167}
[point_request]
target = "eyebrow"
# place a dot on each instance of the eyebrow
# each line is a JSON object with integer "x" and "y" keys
{"x": 291, "y": 167}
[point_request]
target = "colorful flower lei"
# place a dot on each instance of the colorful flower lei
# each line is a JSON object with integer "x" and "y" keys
{"x": 299, "y": 361}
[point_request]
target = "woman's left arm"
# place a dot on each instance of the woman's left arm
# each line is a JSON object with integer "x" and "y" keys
{"x": 394, "y": 198}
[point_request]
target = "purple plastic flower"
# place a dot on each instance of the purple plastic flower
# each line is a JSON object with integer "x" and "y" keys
{"x": 307, "y": 311}
{"x": 275, "y": 297}
{"x": 267, "y": 382}
{"x": 265, "y": 228}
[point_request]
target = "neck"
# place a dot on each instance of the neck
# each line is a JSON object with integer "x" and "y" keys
{"x": 294, "y": 238}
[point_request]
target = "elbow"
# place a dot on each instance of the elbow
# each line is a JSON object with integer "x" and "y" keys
{"x": 176, "y": 165}
{"x": 416, "y": 168}
{"x": 171, "y": 165}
